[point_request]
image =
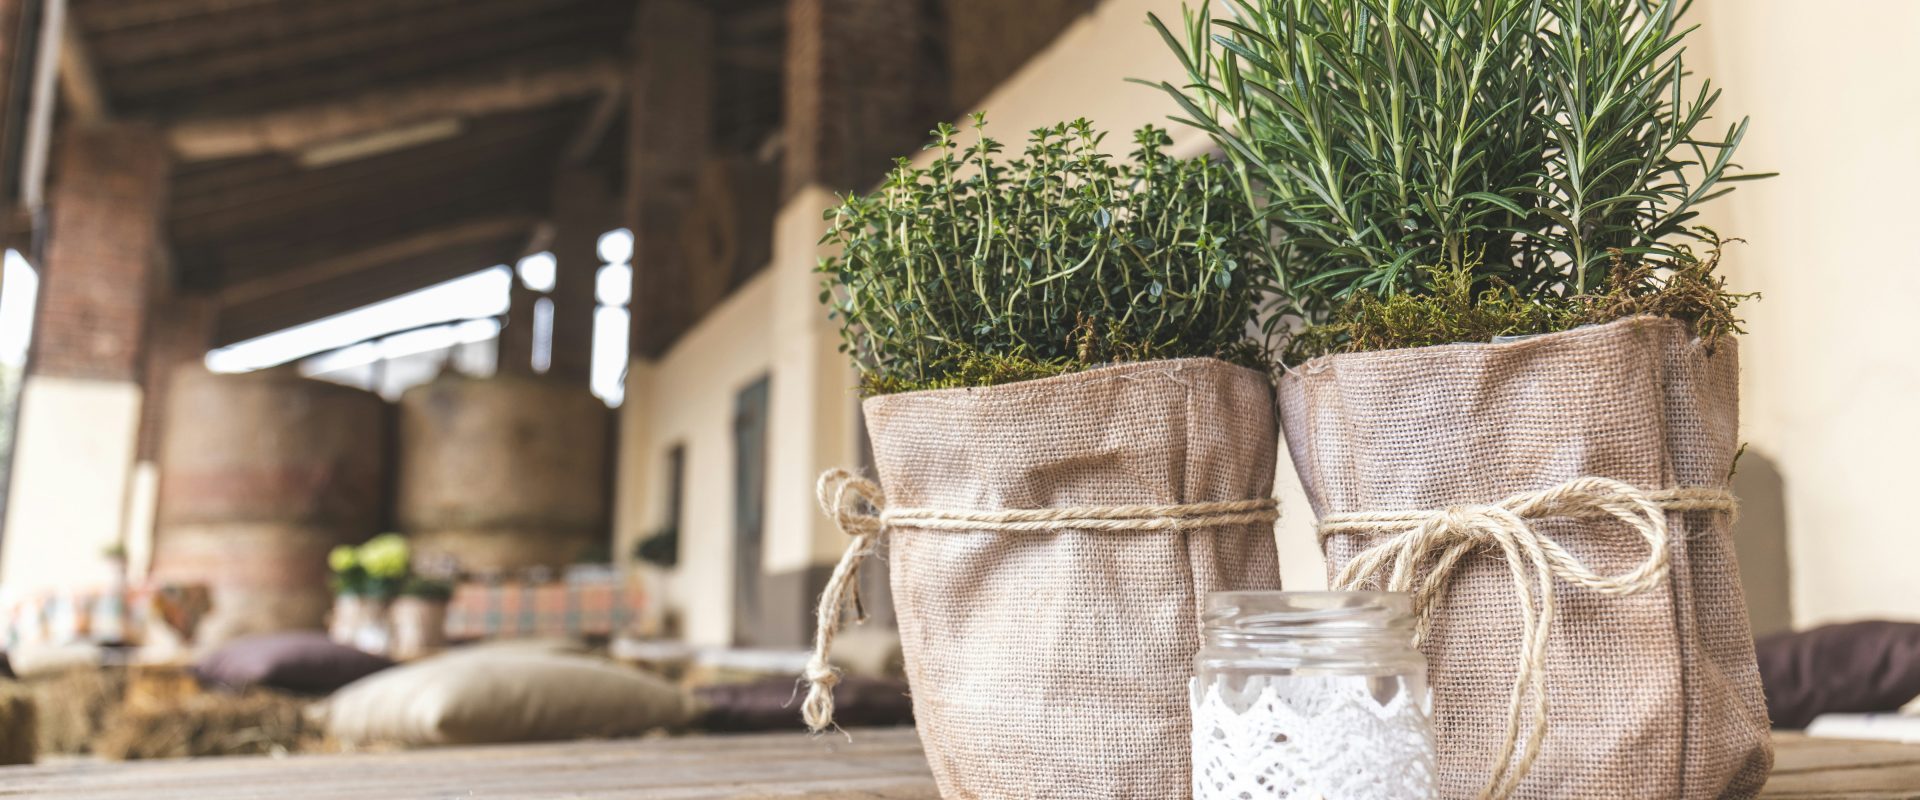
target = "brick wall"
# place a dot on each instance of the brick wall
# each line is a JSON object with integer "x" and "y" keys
{"x": 860, "y": 90}
{"x": 103, "y": 234}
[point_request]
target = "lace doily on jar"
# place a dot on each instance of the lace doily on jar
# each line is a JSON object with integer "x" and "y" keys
{"x": 1311, "y": 738}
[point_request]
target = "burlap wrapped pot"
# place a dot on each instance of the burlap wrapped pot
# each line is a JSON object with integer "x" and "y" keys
{"x": 1578, "y": 449}
{"x": 1052, "y": 661}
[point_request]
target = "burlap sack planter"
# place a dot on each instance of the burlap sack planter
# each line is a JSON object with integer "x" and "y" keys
{"x": 1652, "y": 693}
{"x": 1053, "y": 663}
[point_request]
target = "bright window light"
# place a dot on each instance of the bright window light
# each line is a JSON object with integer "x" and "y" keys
{"x": 405, "y": 344}
{"x": 543, "y": 335}
{"x": 538, "y": 271}
{"x": 609, "y": 354}
{"x": 613, "y": 286}
{"x": 616, "y": 246}
{"x": 22, "y": 287}
{"x": 482, "y": 294}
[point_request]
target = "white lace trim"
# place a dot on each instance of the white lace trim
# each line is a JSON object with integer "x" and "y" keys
{"x": 1310, "y": 738}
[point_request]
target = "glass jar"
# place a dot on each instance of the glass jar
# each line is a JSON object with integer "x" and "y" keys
{"x": 1310, "y": 696}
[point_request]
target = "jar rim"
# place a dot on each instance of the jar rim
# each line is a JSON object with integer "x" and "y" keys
{"x": 1304, "y": 612}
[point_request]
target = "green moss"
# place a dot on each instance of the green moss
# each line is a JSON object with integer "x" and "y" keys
{"x": 1091, "y": 344}
{"x": 1683, "y": 287}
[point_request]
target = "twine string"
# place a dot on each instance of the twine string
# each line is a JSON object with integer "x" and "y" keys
{"x": 1431, "y": 544}
{"x": 859, "y": 508}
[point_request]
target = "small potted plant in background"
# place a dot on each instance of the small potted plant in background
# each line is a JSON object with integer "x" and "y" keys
{"x": 419, "y": 617}
{"x": 1512, "y": 386}
{"x": 366, "y": 579}
{"x": 1076, "y": 441}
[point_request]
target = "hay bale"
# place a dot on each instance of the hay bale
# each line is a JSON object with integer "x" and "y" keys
{"x": 74, "y": 705}
{"x": 18, "y": 724}
{"x": 255, "y": 723}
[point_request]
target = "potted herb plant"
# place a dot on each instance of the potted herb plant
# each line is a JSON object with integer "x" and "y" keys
{"x": 1076, "y": 443}
{"x": 1512, "y": 386}
{"x": 365, "y": 581}
{"x": 419, "y": 617}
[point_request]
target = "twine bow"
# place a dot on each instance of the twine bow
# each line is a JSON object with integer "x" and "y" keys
{"x": 858, "y": 507}
{"x": 1436, "y": 541}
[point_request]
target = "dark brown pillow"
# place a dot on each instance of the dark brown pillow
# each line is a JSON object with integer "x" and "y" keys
{"x": 1855, "y": 668}
{"x": 773, "y": 705}
{"x": 300, "y": 662}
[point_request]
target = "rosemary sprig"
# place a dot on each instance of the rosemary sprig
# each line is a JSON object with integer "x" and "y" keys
{"x": 1529, "y": 142}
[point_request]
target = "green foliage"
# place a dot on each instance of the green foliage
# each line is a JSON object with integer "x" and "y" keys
{"x": 1682, "y": 287}
{"x": 976, "y": 270}
{"x": 1529, "y": 140}
{"x": 380, "y": 567}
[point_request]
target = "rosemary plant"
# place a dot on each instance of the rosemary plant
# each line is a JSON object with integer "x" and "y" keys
{"x": 1531, "y": 142}
{"x": 974, "y": 270}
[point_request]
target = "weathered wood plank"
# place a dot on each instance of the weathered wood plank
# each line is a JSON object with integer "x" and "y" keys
{"x": 875, "y": 765}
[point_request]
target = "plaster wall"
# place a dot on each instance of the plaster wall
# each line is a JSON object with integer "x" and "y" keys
{"x": 69, "y": 498}
{"x": 1830, "y": 377}
{"x": 686, "y": 399}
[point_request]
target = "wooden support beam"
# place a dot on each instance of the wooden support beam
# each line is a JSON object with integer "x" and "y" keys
{"x": 79, "y": 83}
{"x": 415, "y": 246}
{"x": 583, "y": 209}
{"x": 514, "y": 88}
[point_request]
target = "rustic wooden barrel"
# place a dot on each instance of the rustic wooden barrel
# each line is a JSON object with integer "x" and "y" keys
{"x": 260, "y": 475}
{"x": 503, "y": 473}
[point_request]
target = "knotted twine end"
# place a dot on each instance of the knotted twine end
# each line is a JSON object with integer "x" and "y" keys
{"x": 841, "y": 493}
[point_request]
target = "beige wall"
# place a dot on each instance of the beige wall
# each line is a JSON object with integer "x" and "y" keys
{"x": 686, "y": 398}
{"x": 772, "y": 326}
{"x": 1831, "y": 371}
{"x": 69, "y": 499}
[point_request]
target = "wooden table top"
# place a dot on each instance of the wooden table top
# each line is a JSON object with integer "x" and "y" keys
{"x": 876, "y": 765}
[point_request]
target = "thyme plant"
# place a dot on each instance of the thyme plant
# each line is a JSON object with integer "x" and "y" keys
{"x": 1531, "y": 142}
{"x": 974, "y": 270}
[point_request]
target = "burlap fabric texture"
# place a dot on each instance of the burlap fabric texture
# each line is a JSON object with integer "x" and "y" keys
{"x": 1652, "y": 694}
{"x": 1054, "y": 663}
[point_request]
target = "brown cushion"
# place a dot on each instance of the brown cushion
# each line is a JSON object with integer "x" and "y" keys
{"x": 772, "y": 705}
{"x": 503, "y": 696}
{"x": 300, "y": 662}
{"x": 1858, "y": 667}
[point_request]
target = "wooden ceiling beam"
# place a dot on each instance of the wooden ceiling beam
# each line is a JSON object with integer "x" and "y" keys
{"x": 484, "y": 149}
{"x": 570, "y": 35}
{"x": 415, "y": 33}
{"x": 250, "y": 26}
{"x": 294, "y": 239}
{"x": 80, "y": 85}
{"x": 515, "y": 88}
{"x": 371, "y": 285}
{"x": 418, "y": 245}
{"x": 110, "y": 16}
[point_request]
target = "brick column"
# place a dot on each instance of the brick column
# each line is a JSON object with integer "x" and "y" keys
{"x": 583, "y": 208}
{"x": 861, "y": 89}
{"x": 80, "y": 412}
{"x": 670, "y": 127}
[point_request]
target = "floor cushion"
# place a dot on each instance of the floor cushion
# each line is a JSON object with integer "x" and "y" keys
{"x": 1857, "y": 667}
{"x": 299, "y": 662}
{"x": 504, "y": 696}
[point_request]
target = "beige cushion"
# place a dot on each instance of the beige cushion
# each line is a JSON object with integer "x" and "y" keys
{"x": 503, "y": 696}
